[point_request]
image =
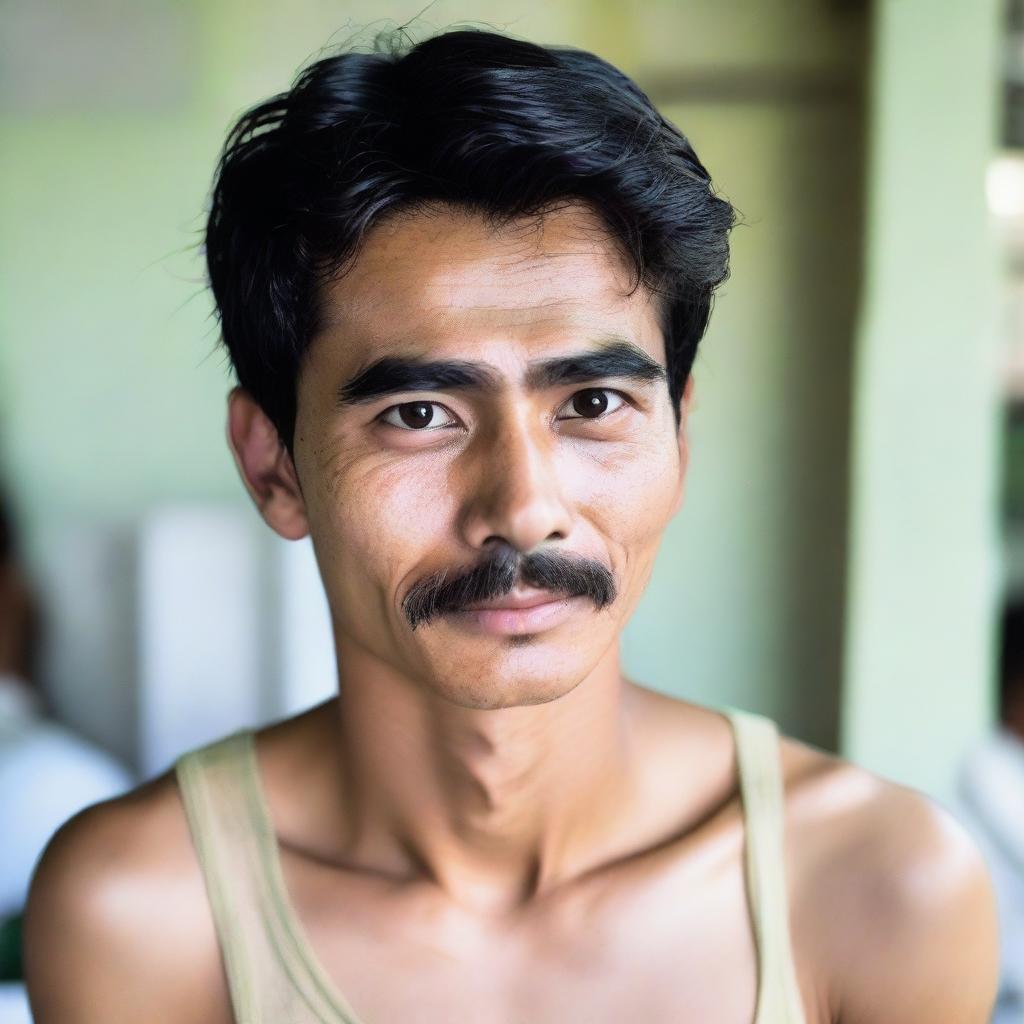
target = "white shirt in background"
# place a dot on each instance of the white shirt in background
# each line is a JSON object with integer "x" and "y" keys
{"x": 990, "y": 802}
{"x": 47, "y": 774}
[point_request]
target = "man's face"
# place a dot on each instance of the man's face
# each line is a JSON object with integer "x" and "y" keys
{"x": 426, "y": 493}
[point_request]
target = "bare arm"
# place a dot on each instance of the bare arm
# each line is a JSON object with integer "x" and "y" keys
{"x": 116, "y": 927}
{"x": 917, "y": 933}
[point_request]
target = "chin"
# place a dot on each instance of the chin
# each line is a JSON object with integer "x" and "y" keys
{"x": 506, "y": 687}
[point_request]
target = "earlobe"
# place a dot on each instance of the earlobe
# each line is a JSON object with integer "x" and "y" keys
{"x": 265, "y": 466}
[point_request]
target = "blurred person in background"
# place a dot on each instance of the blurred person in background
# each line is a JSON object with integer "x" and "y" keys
{"x": 47, "y": 773}
{"x": 462, "y": 284}
{"x": 991, "y": 802}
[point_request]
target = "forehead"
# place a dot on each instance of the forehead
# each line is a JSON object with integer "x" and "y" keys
{"x": 445, "y": 273}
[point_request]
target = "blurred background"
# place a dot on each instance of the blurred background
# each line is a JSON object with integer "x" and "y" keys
{"x": 853, "y": 532}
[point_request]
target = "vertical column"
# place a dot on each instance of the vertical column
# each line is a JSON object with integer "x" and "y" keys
{"x": 923, "y": 552}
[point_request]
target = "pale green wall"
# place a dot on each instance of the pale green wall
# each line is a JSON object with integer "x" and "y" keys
{"x": 923, "y": 549}
{"x": 750, "y": 578}
{"x": 113, "y": 391}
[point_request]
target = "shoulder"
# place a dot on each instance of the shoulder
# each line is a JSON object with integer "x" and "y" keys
{"x": 117, "y": 927}
{"x": 894, "y": 898}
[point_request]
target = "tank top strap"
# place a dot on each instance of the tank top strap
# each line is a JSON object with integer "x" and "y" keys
{"x": 210, "y": 783}
{"x": 761, "y": 785}
{"x": 236, "y": 848}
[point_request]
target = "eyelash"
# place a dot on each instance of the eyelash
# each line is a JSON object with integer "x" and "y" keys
{"x": 424, "y": 430}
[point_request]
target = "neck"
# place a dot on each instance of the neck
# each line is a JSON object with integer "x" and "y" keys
{"x": 495, "y": 807}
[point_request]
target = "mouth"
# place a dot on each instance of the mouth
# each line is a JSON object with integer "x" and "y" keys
{"x": 521, "y": 611}
{"x": 515, "y": 600}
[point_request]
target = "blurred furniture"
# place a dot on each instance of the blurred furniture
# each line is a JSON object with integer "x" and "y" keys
{"x": 187, "y": 624}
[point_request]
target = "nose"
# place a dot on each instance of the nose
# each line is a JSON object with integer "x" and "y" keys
{"x": 514, "y": 491}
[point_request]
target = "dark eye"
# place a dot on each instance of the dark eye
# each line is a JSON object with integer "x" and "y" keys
{"x": 592, "y": 403}
{"x": 414, "y": 416}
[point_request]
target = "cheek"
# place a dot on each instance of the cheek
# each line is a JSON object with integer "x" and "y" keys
{"x": 378, "y": 518}
{"x": 630, "y": 491}
{"x": 408, "y": 509}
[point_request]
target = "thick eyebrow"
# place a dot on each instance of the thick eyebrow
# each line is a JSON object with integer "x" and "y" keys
{"x": 396, "y": 374}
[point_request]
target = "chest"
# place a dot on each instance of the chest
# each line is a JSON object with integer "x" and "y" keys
{"x": 673, "y": 946}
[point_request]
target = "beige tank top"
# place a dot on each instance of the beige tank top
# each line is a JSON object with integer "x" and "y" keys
{"x": 275, "y": 977}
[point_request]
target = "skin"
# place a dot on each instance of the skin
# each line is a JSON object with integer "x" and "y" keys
{"x": 500, "y": 820}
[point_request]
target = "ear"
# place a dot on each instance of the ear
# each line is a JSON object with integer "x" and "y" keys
{"x": 265, "y": 466}
{"x": 685, "y": 403}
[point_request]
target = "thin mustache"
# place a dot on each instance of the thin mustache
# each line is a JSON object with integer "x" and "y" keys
{"x": 497, "y": 577}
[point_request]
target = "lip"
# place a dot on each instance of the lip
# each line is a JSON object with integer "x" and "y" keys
{"x": 519, "y": 613}
{"x": 516, "y": 599}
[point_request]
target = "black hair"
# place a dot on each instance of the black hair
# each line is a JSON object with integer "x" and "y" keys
{"x": 503, "y": 127}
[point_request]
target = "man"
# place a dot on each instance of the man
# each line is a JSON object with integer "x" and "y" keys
{"x": 47, "y": 772}
{"x": 990, "y": 801}
{"x": 462, "y": 287}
